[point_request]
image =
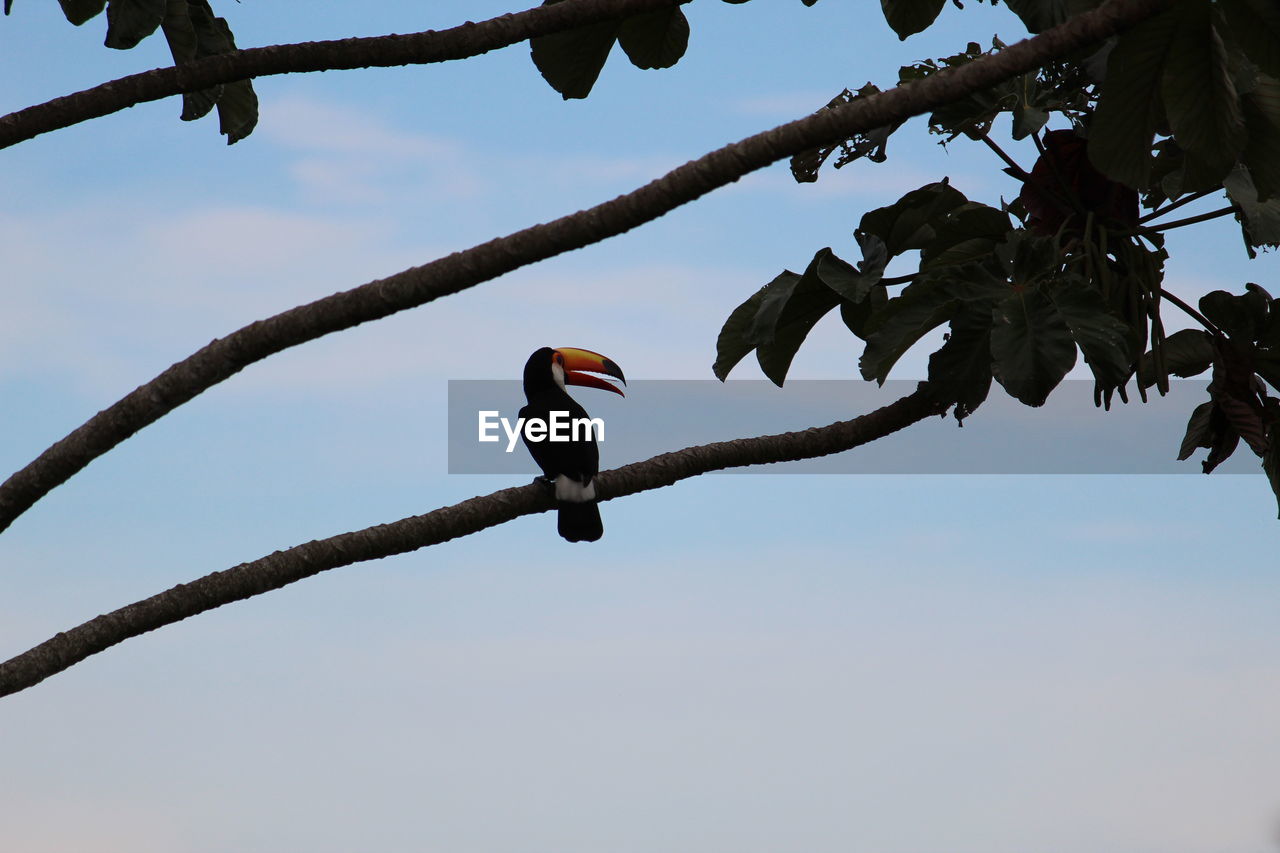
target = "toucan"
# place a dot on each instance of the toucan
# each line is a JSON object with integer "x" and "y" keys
{"x": 571, "y": 466}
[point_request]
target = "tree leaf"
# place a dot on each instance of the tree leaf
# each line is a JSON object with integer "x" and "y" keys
{"x": 1187, "y": 353}
{"x": 1031, "y": 346}
{"x": 785, "y": 317}
{"x": 79, "y": 11}
{"x": 1040, "y": 15}
{"x": 857, "y": 315}
{"x": 1242, "y": 317}
{"x": 775, "y": 357}
{"x": 1262, "y": 121}
{"x": 733, "y": 344}
{"x": 1271, "y": 459}
{"x": 1199, "y": 430}
{"x": 1129, "y": 107}
{"x": 870, "y": 144}
{"x": 1259, "y": 220}
{"x": 843, "y": 277}
{"x": 571, "y": 61}
{"x": 909, "y": 223}
{"x": 655, "y": 39}
{"x": 180, "y": 33}
{"x": 130, "y": 21}
{"x": 1199, "y": 94}
{"x": 968, "y": 232}
{"x": 908, "y": 17}
{"x": 960, "y": 371}
{"x": 1255, "y": 25}
{"x": 1103, "y": 338}
{"x": 922, "y": 306}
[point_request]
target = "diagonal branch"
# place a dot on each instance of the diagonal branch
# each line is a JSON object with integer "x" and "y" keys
{"x": 225, "y": 357}
{"x": 409, "y": 534}
{"x": 467, "y": 40}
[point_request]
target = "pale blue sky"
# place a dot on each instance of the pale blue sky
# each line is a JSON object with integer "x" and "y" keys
{"x": 753, "y": 663}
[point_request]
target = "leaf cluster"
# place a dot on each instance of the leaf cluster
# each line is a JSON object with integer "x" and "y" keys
{"x": 571, "y": 61}
{"x": 193, "y": 32}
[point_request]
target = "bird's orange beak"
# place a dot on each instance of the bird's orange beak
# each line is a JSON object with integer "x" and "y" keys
{"x": 576, "y": 361}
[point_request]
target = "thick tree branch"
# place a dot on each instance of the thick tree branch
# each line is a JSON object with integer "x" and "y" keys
{"x": 469, "y": 39}
{"x": 471, "y": 516}
{"x": 225, "y": 357}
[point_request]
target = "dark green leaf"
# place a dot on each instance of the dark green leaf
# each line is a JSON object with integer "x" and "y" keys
{"x": 1199, "y": 95}
{"x": 1129, "y": 108}
{"x": 788, "y": 309}
{"x": 237, "y": 111}
{"x": 1199, "y": 431}
{"x": 922, "y": 306}
{"x": 1271, "y": 459}
{"x": 1031, "y": 346}
{"x": 1260, "y": 220}
{"x": 1255, "y": 25}
{"x": 909, "y": 222}
{"x": 1242, "y": 317}
{"x": 1262, "y": 120}
{"x": 871, "y": 144}
{"x": 655, "y": 39}
{"x": 180, "y": 33}
{"x": 130, "y": 21}
{"x": 960, "y": 371}
{"x": 1103, "y": 338}
{"x": 841, "y": 276}
{"x": 1027, "y": 258}
{"x": 1028, "y": 120}
{"x": 571, "y": 61}
{"x": 975, "y": 282}
{"x": 79, "y": 11}
{"x": 775, "y": 357}
{"x": 908, "y": 17}
{"x": 968, "y": 232}
{"x": 857, "y": 315}
{"x": 807, "y": 302}
{"x": 1188, "y": 352}
{"x": 774, "y": 298}
{"x": 237, "y": 103}
{"x": 1040, "y": 15}
{"x": 734, "y": 344}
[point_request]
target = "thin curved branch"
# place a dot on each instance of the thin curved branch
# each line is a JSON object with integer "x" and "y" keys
{"x": 470, "y": 516}
{"x": 469, "y": 39}
{"x": 224, "y": 357}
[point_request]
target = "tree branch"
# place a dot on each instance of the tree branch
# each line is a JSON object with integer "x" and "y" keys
{"x": 471, "y": 516}
{"x": 225, "y": 357}
{"x": 1190, "y": 220}
{"x": 467, "y": 40}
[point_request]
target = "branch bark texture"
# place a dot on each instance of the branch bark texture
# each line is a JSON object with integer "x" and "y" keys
{"x": 225, "y": 357}
{"x": 471, "y": 516}
{"x": 469, "y": 39}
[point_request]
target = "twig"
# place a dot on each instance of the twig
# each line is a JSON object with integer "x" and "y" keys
{"x": 1190, "y": 220}
{"x": 1019, "y": 172}
{"x": 1191, "y": 312}
{"x": 1175, "y": 205}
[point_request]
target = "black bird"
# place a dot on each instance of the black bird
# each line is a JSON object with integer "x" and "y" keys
{"x": 570, "y": 465}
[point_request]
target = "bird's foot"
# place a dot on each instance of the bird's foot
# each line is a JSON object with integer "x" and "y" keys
{"x": 546, "y": 482}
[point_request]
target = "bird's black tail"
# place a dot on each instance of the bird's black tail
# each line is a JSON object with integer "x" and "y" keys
{"x": 580, "y": 522}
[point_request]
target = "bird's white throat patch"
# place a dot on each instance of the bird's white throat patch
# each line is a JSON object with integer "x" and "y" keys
{"x": 571, "y": 491}
{"x": 557, "y": 373}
